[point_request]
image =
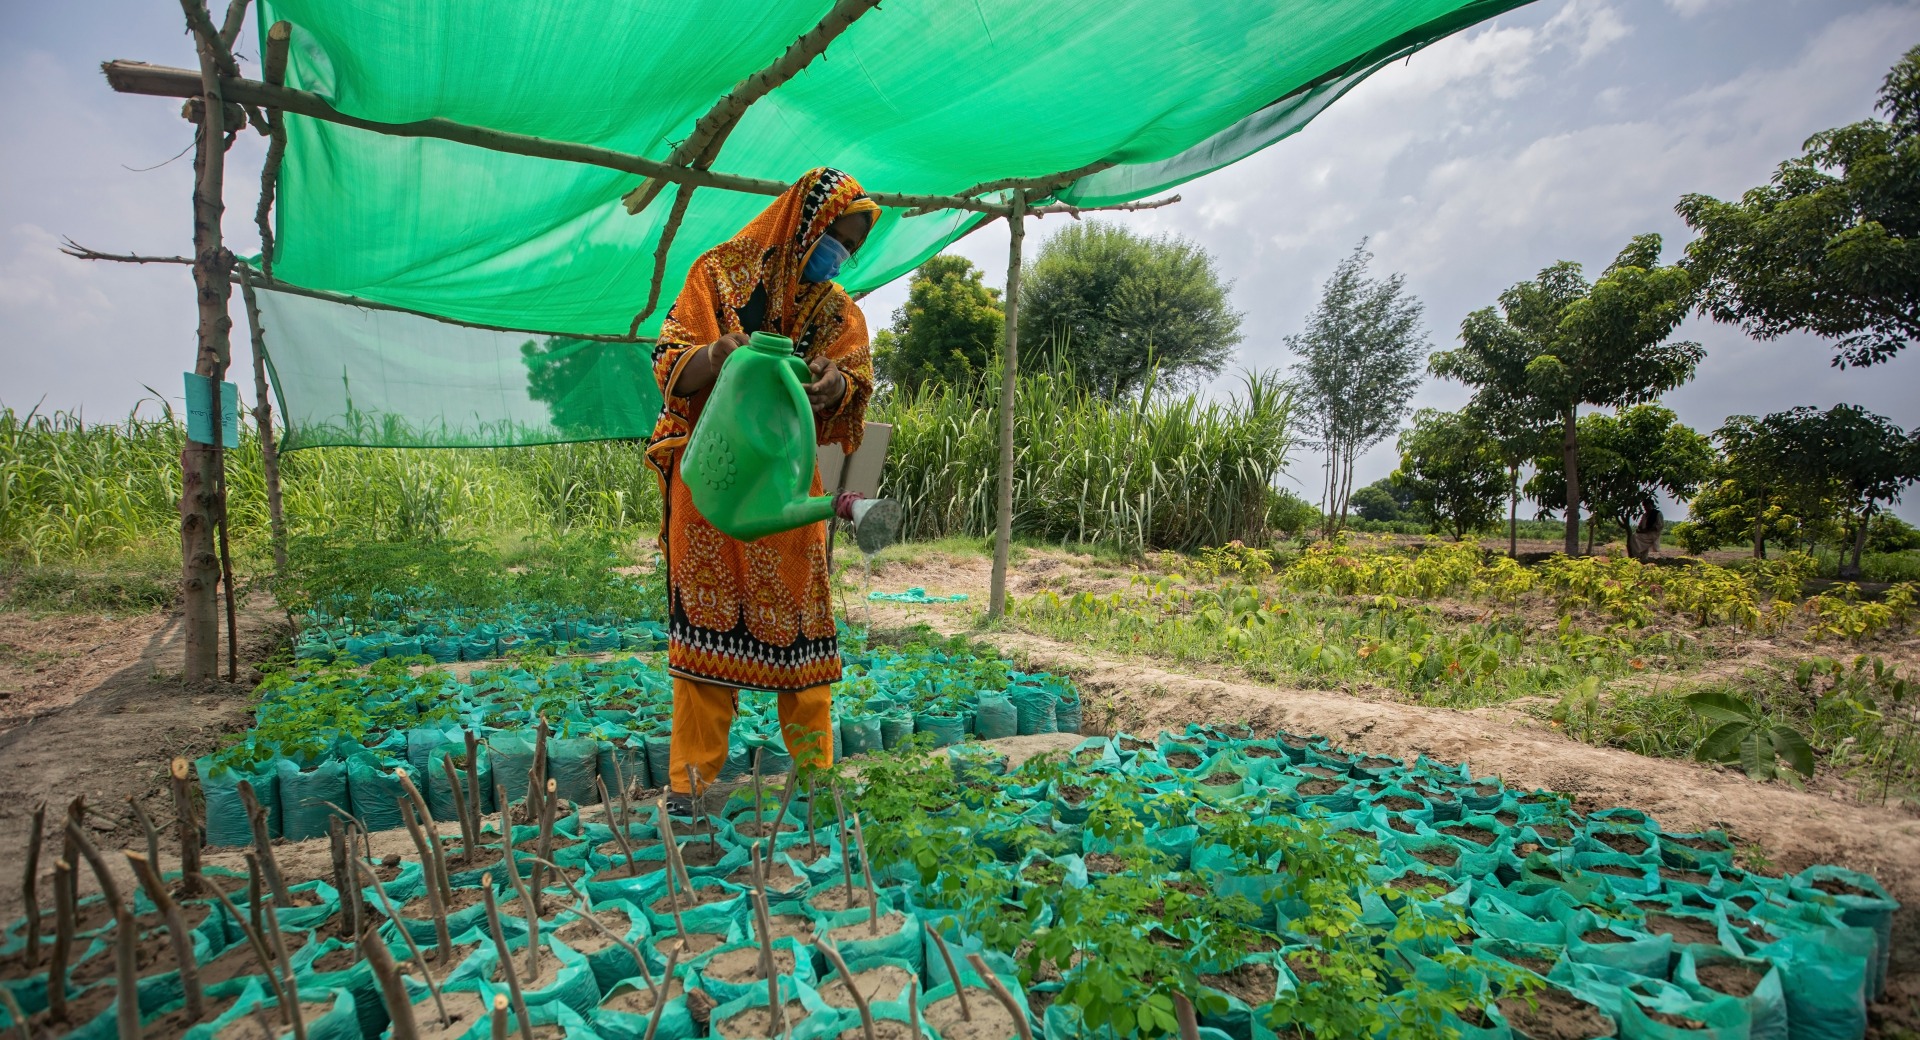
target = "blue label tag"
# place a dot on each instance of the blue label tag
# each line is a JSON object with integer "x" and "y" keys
{"x": 200, "y": 411}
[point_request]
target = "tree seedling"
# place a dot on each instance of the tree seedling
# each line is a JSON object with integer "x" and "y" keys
{"x": 442, "y": 939}
{"x": 177, "y": 934}
{"x": 846, "y": 979}
{"x": 619, "y": 827}
{"x": 506, "y": 964}
{"x": 413, "y": 948}
{"x": 846, "y": 859}
{"x": 866, "y": 872}
{"x": 1000, "y": 993}
{"x": 125, "y": 971}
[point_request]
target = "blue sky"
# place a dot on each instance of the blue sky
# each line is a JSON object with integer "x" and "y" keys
{"x": 1554, "y": 132}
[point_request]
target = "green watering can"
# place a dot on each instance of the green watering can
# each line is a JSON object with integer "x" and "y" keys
{"x": 751, "y": 457}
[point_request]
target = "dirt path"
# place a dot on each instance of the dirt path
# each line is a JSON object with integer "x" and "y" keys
{"x": 109, "y": 711}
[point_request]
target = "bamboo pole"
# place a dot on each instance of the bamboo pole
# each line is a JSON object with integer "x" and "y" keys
{"x": 263, "y": 421}
{"x": 1009, "y": 370}
{"x": 136, "y": 77}
{"x": 80, "y": 252}
{"x": 200, "y": 490}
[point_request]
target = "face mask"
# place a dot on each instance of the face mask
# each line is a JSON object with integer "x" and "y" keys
{"x": 825, "y": 261}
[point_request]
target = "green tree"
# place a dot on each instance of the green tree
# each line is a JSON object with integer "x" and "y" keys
{"x": 1492, "y": 359}
{"x": 947, "y": 332}
{"x": 1359, "y": 365}
{"x": 1832, "y": 245}
{"x": 1865, "y": 455}
{"x": 1451, "y": 469}
{"x": 1602, "y": 343}
{"x": 1629, "y": 460}
{"x": 1123, "y": 310}
{"x": 1381, "y": 500}
{"x": 1759, "y": 488}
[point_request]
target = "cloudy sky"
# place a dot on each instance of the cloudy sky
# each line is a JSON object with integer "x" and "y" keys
{"x": 1555, "y": 132}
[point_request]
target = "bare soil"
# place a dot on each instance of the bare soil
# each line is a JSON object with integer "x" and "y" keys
{"x": 1253, "y": 984}
{"x": 883, "y": 984}
{"x": 1553, "y": 1014}
{"x": 1729, "y": 977}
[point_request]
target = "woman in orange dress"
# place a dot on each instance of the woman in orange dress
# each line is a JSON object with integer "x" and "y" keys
{"x": 757, "y": 615}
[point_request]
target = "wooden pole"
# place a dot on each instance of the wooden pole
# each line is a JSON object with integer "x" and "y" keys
{"x": 137, "y": 77}
{"x": 263, "y": 421}
{"x": 273, "y": 70}
{"x": 200, "y": 504}
{"x": 1009, "y": 366}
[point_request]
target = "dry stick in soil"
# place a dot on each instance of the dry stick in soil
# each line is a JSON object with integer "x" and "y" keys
{"x": 147, "y": 828}
{"x": 953, "y": 973}
{"x": 660, "y": 1001}
{"x": 529, "y": 902}
{"x": 786, "y": 794}
{"x": 338, "y": 852}
{"x": 187, "y": 827}
{"x": 498, "y": 1020}
{"x": 413, "y": 948}
{"x": 467, "y": 836}
{"x": 263, "y": 846}
{"x": 62, "y": 940}
{"x": 29, "y": 897}
{"x": 619, "y": 827}
{"x": 125, "y": 973}
{"x": 866, "y": 873}
{"x": 846, "y": 979}
{"x": 506, "y": 963}
{"x": 699, "y": 798}
{"x": 261, "y": 951}
{"x": 585, "y": 912}
{"x": 620, "y": 782}
{"x": 435, "y": 854}
{"x": 545, "y": 844}
{"x": 1000, "y": 993}
{"x": 537, "y": 772}
{"x": 473, "y": 791}
{"x": 758, "y": 820}
{"x": 913, "y": 1007}
{"x": 392, "y": 991}
{"x": 846, "y": 860}
{"x": 763, "y": 924}
{"x": 353, "y": 902}
{"x": 18, "y": 1016}
{"x": 279, "y": 943}
{"x": 442, "y": 940}
{"x": 670, "y": 850}
{"x": 177, "y": 934}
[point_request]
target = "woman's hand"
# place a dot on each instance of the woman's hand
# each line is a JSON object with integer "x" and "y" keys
{"x": 700, "y": 372}
{"x": 829, "y": 385}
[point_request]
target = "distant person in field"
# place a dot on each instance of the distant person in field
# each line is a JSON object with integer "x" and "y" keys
{"x": 757, "y": 615}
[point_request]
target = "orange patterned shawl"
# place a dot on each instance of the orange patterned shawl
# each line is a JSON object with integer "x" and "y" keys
{"x": 757, "y": 614}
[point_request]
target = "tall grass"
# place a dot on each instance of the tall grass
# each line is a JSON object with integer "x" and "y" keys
{"x": 69, "y": 489}
{"x": 1160, "y": 473}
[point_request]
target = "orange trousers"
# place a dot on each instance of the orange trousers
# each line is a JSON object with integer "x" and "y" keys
{"x": 703, "y": 716}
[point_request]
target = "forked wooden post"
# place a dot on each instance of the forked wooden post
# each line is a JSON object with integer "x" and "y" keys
{"x": 1009, "y": 365}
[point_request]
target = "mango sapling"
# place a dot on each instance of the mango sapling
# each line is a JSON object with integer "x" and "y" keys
{"x": 125, "y": 972}
{"x": 442, "y": 938}
{"x": 1000, "y": 993}
{"x": 619, "y": 825}
{"x": 506, "y": 963}
{"x": 186, "y": 826}
{"x": 30, "y": 898}
{"x": 392, "y": 991}
{"x": 846, "y": 978}
{"x": 413, "y": 948}
{"x": 177, "y": 934}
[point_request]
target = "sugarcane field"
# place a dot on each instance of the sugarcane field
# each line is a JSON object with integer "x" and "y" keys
{"x": 1288, "y": 520}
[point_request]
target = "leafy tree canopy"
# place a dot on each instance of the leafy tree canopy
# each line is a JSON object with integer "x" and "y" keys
{"x": 1629, "y": 460}
{"x": 948, "y": 332}
{"x": 1831, "y": 245}
{"x": 1451, "y": 469}
{"x": 1122, "y": 309}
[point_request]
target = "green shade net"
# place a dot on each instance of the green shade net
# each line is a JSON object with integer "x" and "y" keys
{"x": 919, "y": 96}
